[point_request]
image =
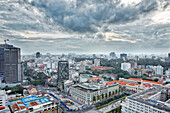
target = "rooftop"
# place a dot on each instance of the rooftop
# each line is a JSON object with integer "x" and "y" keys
{"x": 147, "y": 97}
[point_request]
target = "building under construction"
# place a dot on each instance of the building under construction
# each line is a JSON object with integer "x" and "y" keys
{"x": 10, "y": 64}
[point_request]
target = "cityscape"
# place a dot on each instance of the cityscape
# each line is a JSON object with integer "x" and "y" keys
{"x": 93, "y": 56}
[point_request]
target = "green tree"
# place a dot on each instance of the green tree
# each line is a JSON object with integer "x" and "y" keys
{"x": 122, "y": 89}
{"x": 119, "y": 89}
{"x": 116, "y": 91}
{"x": 113, "y": 93}
{"x": 119, "y": 110}
{"x": 156, "y": 80}
{"x": 109, "y": 93}
{"x": 94, "y": 98}
{"x": 106, "y": 95}
{"x": 102, "y": 96}
{"x": 98, "y": 97}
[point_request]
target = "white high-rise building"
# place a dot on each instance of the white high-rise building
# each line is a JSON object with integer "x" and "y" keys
{"x": 125, "y": 66}
{"x": 167, "y": 72}
{"x": 158, "y": 70}
{"x": 97, "y": 62}
{"x": 3, "y": 98}
{"x": 82, "y": 67}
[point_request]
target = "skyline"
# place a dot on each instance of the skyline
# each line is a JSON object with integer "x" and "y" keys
{"x": 92, "y": 26}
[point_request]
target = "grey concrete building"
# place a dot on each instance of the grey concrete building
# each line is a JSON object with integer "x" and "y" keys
{"x": 10, "y": 64}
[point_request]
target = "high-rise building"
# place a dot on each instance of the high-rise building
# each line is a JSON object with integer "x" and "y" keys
{"x": 10, "y": 64}
{"x": 38, "y": 55}
{"x": 3, "y": 98}
{"x": 63, "y": 72}
{"x": 133, "y": 64}
{"x": 97, "y": 62}
{"x": 158, "y": 70}
{"x": 82, "y": 67}
{"x": 94, "y": 56}
{"x": 123, "y": 55}
{"x": 125, "y": 66}
{"x": 112, "y": 55}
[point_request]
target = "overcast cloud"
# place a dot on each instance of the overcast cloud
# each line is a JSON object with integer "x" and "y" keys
{"x": 86, "y": 26}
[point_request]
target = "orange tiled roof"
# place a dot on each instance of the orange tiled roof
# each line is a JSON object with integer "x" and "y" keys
{"x": 119, "y": 82}
{"x": 95, "y": 77}
{"x": 135, "y": 79}
{"x": 151, "y": 82}
{"x": 131, "y": 84}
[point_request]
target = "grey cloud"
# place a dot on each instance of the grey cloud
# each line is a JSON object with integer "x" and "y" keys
{"x": 89, "y": 20}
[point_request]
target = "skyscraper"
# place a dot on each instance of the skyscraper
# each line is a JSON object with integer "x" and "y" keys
{"x": 38, "y": 55}
{"x": 97, "y": 62}
{"x": 10, "y": 63}
{"x": 63, "y": 72}
{"x": 125, "y": 66}
{"x": 123, "y": 55}
{"x": 112, "y": 55}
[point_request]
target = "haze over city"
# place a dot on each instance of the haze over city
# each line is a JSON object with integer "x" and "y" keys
{"x": 86, "y": 26}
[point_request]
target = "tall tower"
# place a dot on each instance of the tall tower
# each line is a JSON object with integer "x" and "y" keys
{"x": 63, "y": 73}
{"x": 10, "y": 63}
{"x": 38, "y": 55}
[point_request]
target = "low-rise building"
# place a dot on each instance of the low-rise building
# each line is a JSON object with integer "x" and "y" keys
{"x": 147, "y": 101}
{"x": 89, "y": 93}
{"x": 108, "y": 75}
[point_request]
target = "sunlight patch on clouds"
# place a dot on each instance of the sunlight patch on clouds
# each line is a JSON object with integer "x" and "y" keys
{"x": 162, "y": 18}
{"x": 130, "y": 2}
{"x": 115, "y": 37}
{"x": 32, "y": 34}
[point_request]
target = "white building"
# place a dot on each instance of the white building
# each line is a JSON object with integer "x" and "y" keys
{"x": 147, "y": 101}
{"x": 158, "y": 70}
{"x": 125, "y": 66}
{"x": 73, "y": 75}
{"x": 84, "y": 78}
{"x": 82, "y": 67}
{"x": 167, "y": 73}
{"x": 87, "y": 92}
{"x": 3, "y": 98}
{"x": 96, "y": 62}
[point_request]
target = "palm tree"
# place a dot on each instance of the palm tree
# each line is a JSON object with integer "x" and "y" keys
{"x": 116, "y": 91}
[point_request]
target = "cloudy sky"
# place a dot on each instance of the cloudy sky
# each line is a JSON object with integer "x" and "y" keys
{"x": 86, "y": 26}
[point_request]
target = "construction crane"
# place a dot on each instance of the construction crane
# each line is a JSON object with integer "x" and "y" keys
{"x": 5, "y": 40}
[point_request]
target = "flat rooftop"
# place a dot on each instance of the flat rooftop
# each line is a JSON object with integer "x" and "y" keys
{"x": 91, "y": 88}
{"x": 147, "y": 97}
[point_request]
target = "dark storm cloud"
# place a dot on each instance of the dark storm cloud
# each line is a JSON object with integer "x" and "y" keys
{"x": 41, "y": 23}
{"x": 86, "y": 15}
